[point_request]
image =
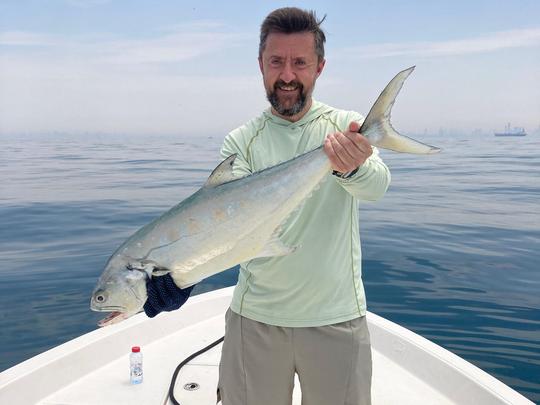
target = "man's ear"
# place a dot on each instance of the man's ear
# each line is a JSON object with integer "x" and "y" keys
{"x": 320, "y": 67}
{"x": 261, "y": 65}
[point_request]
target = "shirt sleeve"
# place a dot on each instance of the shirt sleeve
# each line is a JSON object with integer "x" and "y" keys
{"x": 371, "y": 180}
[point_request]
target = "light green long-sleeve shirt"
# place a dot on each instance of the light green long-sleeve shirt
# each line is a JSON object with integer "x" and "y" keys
{"x": 319, "y": 283}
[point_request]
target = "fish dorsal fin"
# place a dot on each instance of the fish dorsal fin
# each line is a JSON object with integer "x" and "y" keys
{"x": 222, "y": 173}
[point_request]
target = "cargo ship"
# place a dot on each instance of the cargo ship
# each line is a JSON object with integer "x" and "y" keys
{"x": 509, "y": 131}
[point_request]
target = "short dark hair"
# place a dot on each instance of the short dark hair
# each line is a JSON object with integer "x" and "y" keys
{"x": 289, "y": 20}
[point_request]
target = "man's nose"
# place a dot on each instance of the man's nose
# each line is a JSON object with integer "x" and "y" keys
{"x": 287, "y": 74}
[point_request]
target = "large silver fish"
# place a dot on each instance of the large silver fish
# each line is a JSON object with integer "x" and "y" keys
{"x": 229, "y": 220}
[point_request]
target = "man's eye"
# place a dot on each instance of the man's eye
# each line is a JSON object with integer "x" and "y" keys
{"x": 300, "y": 63}
{"x": 275, "y": 62}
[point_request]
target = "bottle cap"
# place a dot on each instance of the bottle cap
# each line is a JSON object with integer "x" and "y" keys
{"x": 135, "y": 349}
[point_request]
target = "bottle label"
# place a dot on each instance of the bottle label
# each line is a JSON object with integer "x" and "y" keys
{"x": 136, "y": 374}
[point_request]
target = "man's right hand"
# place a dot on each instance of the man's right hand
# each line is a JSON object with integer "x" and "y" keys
{"x": 347, "y": 150}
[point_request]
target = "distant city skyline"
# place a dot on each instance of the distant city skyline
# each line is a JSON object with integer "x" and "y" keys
{"x": 190, "y": 68}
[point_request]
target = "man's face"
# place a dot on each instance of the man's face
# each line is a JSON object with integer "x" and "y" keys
{"x": 290, "y": 68}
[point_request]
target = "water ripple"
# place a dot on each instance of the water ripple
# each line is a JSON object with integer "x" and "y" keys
{"x": 451, "y": 251}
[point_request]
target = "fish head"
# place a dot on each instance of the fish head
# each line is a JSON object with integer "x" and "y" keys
{"x": 121, "y": 290}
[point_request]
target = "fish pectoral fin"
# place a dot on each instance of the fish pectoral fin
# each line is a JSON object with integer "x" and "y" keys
{"x": 275, "y": 247}
{"x": 223, "y": 173}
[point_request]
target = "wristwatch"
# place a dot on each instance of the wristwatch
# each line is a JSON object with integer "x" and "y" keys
{"x": 344, "y": 175}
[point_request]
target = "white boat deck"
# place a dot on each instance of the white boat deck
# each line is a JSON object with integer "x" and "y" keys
{"x": 94, "y": 368}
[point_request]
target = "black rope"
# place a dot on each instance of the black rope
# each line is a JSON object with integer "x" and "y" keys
{"x": 184, "y": 362}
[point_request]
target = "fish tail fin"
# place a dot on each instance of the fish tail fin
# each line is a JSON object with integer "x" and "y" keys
{"x": 378, "y": 129}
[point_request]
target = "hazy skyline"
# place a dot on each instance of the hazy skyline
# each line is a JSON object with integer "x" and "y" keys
{"x": 164, "y": 67}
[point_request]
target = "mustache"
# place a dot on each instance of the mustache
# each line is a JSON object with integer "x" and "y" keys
{"x": 295, "y": 83}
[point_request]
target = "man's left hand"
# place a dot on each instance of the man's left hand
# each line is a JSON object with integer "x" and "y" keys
{"x": 164, "y": 295}
{"x": 348, "y": 150}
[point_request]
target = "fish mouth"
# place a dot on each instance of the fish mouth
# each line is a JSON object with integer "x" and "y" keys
{"x": 116, "y": 314}
{"x": 112, "y": 318}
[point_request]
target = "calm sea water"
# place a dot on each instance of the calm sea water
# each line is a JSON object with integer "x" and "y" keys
{"x": 451, "y": 252}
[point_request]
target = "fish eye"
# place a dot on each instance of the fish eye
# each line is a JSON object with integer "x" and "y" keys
{"x": 100, "y": 297}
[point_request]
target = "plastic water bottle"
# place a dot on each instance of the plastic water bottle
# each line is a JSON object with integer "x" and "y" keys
{"x": 135, "y": 365}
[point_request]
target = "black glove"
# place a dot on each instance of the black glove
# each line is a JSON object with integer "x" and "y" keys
{"x": 164, "y": 295}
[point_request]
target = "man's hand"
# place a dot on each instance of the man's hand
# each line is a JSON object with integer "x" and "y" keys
{"x": 347, "y": 151}
{"x": 164, "y": 295}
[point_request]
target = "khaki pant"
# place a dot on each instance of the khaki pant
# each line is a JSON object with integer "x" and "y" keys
{"x": 258, "y": 363}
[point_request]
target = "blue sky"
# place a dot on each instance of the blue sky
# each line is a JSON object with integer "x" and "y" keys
{"x": 189, "y": 67}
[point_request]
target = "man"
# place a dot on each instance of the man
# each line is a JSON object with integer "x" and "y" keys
{"x": 302, "y": 313}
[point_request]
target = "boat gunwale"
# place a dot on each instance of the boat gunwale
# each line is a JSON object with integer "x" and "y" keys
{"x": 63, "y": 365}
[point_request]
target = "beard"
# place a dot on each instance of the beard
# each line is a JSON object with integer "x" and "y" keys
{"x": 296, "y": 107}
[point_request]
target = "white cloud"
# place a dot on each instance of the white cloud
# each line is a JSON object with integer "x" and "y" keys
{"x": 87, "y": 3}
{"x": 173, "y": 47}
{"x": 22, "y": 38}
{"x": 495, "y": 41}
{"x": 163, "y": 84}
{"x": 179, "y": 43}
{"x": 105, "y": 84}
